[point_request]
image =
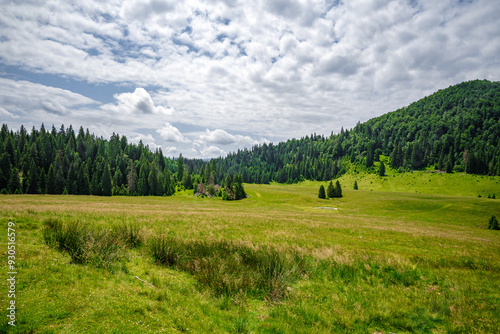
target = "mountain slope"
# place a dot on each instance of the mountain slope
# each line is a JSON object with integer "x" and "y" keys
{"x": 456, "y": 129}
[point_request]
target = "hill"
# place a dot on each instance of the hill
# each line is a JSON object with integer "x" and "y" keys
{"x": 454, "y": 129}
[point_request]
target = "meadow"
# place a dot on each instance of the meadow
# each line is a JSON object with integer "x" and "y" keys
{"x": 406, "y": 253}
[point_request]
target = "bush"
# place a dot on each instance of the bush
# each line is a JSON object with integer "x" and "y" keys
{"x": 493, "y": 223}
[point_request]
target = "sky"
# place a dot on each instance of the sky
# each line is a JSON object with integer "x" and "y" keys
{"x": 205, "y": 78}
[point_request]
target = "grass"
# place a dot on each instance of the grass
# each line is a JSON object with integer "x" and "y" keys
{"x": 416, "y": 261}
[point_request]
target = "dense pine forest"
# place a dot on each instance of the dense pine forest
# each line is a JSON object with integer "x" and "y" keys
{"x": 455, "y": 130}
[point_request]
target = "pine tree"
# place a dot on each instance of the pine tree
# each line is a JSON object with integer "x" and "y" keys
{"x": 321, "y": 193}
{"x": 493, "y": 223}
{"x": 355, "y": 185}
{"x": 5, "y": 170}
{"x": 106, "y": 182}
{"x": 180, "y": 168}
{"x": 330, "y": 191}
{"x": 51, "y": 184}
{"x": 95, "y": 187}
{"x": 169, "y": 186}
{"x": 239, "y": 191}
{"x": 83, "y": 180}
{"x": 338, "y": 189}
{"x": 369, "y": 156}
{"x": 153, "y": 181}
{"x": 14, "y": 185}
{"x": 33, "y": 185}
{"x": 131, "y": 178}
{"x": 381, "y": 170}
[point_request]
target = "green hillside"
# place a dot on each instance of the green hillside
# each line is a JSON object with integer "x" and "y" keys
{"x": 455, "y": 129}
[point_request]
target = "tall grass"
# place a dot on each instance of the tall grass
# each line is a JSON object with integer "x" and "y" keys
{"x": 229, "y": 268}
{"x": 93, "y": 245}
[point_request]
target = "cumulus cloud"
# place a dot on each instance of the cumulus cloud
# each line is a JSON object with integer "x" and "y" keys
{"x": 171, "y": 134}
{"x": 138, "y": 103}
{"x": 222, "y": 137}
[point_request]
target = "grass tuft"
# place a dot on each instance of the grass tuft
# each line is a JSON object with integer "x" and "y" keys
{"x": 228, "y": 268}
{"x": 85, "y": 244}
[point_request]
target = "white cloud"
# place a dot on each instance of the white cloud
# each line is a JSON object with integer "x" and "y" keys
{"x": 171, "y": 134}
{"x": 27, "y": 98}
{"x": 222, "y": 137}
{"x": 138, "y": 103}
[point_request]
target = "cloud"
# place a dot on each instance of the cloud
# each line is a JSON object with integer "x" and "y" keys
{"x": 221, "y": 137}
{"x": 138, "y": 103}
{"x": 24, "y": 98}
{"x": 171, "y": 134}
{"x": 5, "y": 113}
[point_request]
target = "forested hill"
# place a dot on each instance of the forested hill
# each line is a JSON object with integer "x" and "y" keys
{"x": 454, "y": 129}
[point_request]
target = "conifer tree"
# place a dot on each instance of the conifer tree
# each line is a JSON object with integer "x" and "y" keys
{"x": 106, "y": 181}
{"x": 95, "y": 187}
{"x": 51, "y": 184}
{"x": 239, "y": 191}
{"x": 14, "y": 185}
{"x": 355, "y": 185}
{"x": 338, "y": 189}
{"x": 83, "y": 180}
{"x": 381, "y": 170}
{"x": 169, "y": 186}
{"x": 321, "y": 193}
{"x": 5, "y": 170}
{"x": 180, "y": 168}
{"x": 131, "y": 178}
{"x": 33, "y": 185}
{"x": 493, "y": 223}
{"x": 142, "y": 183}
{"x": 153, "y": 181}
{"x": 330, "y": 191}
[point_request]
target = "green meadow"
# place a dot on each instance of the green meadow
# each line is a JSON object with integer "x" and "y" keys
{"x": 406, "y": 253}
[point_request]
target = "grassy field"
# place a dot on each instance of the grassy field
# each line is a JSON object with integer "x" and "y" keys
{"x": 378, "y": 260}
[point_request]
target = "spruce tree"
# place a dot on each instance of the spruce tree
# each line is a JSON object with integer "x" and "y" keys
{"x": 106, "y": 182}
{"x": 51, "y": 184}
{"x": 33, "y": 186}
{"x": 180, "y": 168}
{"x": 14, "y": 185}
{"x": 330, "y": 191}
{"x": 83, "y": 180}
{"x": 381, "y": 170}
{"x": 493, "y": 223}
{"x": 321, "y": 193}
{"x": 355, "y": 185}
{"x": 153, "y": 181}
{"x": 338, "y": 189}
{"x": 131, "y": 178}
